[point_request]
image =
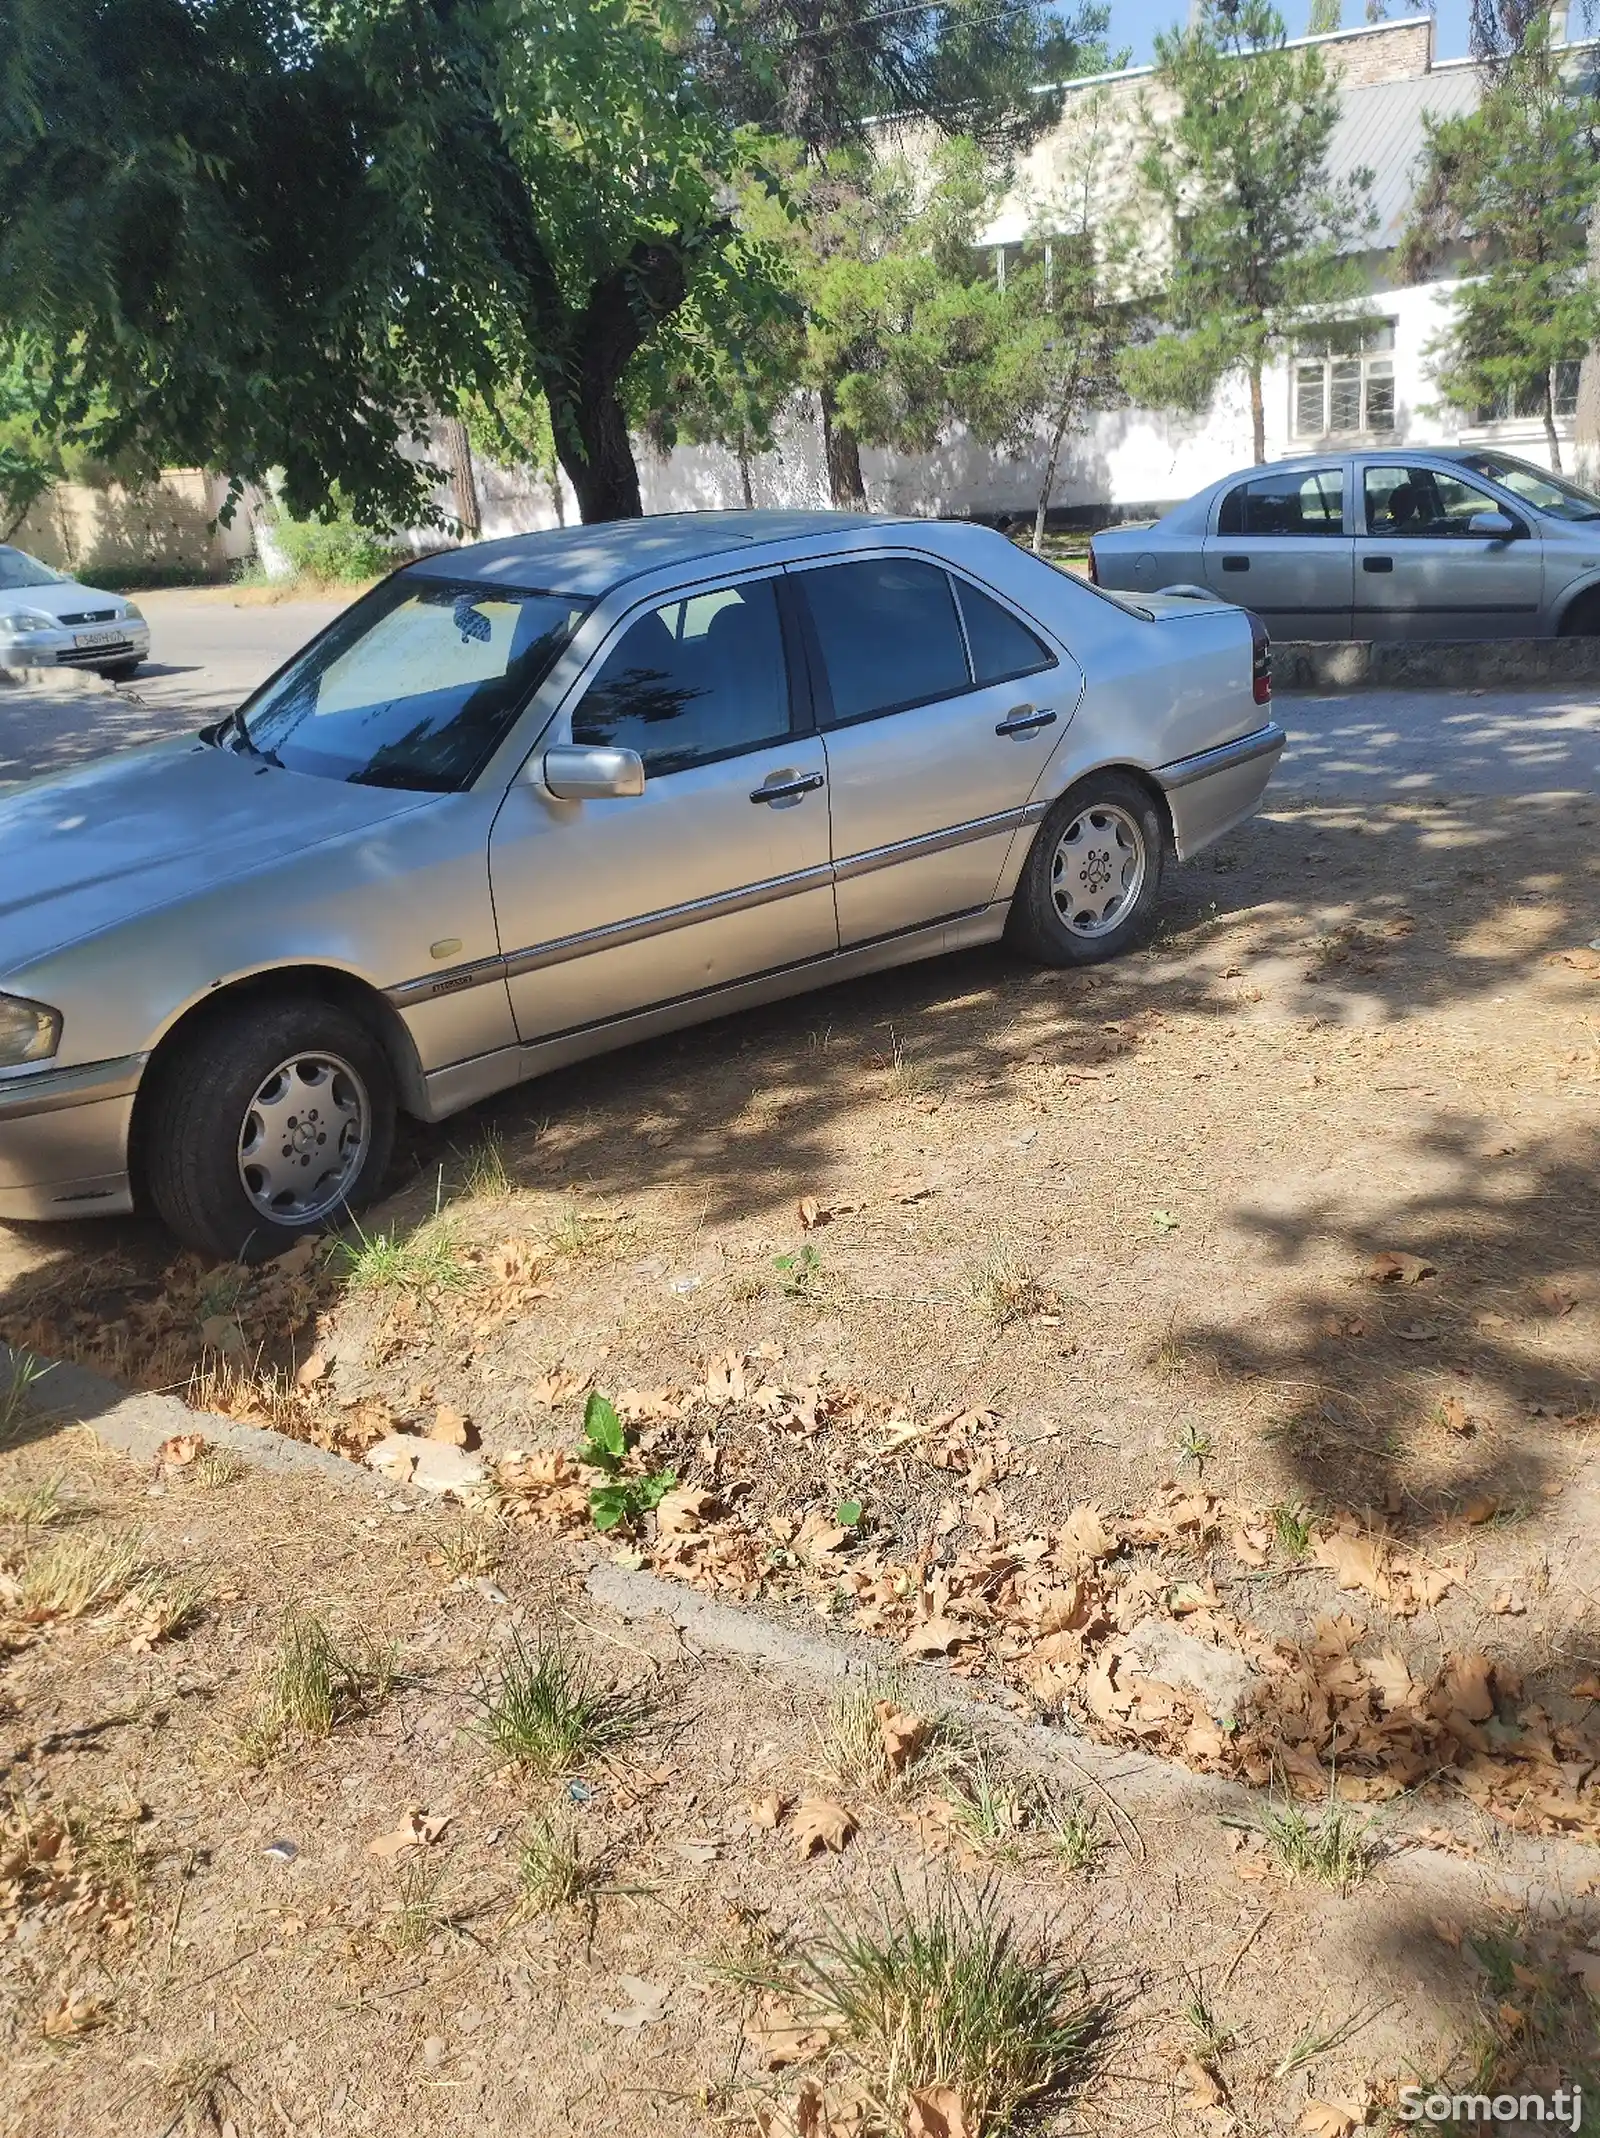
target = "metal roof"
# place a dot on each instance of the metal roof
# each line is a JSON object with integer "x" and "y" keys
{"x": 1380, "y": 128}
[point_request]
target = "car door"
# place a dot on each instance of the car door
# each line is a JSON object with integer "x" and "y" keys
{"x": 1282, "y": 547}
{"x": 719, "y": 870}
{"x": 940, "y": 707}
{"x": 1420, "y": 570}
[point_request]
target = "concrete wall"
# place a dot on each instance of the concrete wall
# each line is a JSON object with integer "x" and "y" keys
{"x": 81, "y": 528}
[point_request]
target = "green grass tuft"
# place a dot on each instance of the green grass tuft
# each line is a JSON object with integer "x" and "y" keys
{"x": 544, "y": 1710}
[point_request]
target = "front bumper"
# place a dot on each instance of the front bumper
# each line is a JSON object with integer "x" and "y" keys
{"x": 1211, "y": 792}
{"x": 64, "y": 1140}
{"x": 64, "y": 648}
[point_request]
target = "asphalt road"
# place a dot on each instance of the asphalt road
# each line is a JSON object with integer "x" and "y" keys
{"x": 209, "y": 650}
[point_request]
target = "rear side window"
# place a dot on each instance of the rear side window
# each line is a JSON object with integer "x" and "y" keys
{"x": 1002, "y": 647}
{"x": 889, "y": 635}
{"x": 694, "y": 681}
{"x": 1293, "y": 503}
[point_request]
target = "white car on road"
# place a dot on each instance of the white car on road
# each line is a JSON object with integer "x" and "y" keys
{"x": 47, "y": 621}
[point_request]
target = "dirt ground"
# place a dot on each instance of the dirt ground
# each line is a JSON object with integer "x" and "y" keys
{"x": 1200, "y": 1356}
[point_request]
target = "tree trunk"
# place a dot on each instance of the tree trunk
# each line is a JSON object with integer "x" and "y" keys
{"x": 745, "y": 490}
{"x": 463, "y": 483}
{"x": 845, "y": 484}
{"x": 592, "y": 443}
{"x": 1043, "y": 507}
{"x": 1550, "y": 438}
{"x": 1258, "y": 417}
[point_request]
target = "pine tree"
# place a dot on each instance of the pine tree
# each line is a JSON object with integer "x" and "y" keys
{"x": 1515, "y": 182}
{"x": 1261, "y": 232}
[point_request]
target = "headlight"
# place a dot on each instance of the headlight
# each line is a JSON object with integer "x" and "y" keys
{"x": 132, "y": 613}
{"x": 15, "y": 621}
{"x": 29, "y": 1031}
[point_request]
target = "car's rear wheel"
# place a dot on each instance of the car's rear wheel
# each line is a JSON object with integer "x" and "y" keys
{"x": 271, "y": 1126}
{"x": 1089, "y": 887}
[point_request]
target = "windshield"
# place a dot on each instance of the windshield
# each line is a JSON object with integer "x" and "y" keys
{"x": 1544, "y": 492}
{"x": 17, "y": 568}
{"x": 414, "y": 686}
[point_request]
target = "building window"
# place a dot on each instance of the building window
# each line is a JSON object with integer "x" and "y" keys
{"x": 1525, "y": 404}
{"x": 1345, "y": 384}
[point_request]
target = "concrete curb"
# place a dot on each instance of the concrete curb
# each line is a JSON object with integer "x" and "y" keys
{"x": 1539, "y": 1872}
{"x": 1333, "y": 666}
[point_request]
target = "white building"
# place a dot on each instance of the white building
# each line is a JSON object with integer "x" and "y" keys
{"x": 1135, "y": 462}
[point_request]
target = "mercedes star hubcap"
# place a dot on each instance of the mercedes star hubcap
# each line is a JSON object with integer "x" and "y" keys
{"x": 1097, "y": 871}
{"x": 305, "y": 1138}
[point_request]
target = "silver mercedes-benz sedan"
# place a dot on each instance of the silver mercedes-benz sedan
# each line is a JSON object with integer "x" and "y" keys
{"x": 536, "y": 799}
{"x": 1451, "y": 542}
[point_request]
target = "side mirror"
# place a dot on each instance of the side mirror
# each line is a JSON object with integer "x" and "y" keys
{"x": 580, "y": 772}
{"x": 1493, "y": 526}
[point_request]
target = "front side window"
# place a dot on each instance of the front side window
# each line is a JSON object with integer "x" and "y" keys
{"x": 1546, "y": 493}
{"x": 693, "y": 681}
{"x": 1344, "y": 382}
{"x": 1408, "y": 502}
{"x": 414, "y": 686}
{"x": 889, "y": 634}
{"x": 1293, "y": 503}
{"x": 17, "y": 568}
{"x": 1001, "y": 645}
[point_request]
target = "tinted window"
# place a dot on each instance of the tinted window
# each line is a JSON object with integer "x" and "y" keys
{"x": 1403, "y": 502}
{"x": 1293, "y": 503}
{"x": 890, "y": 636}
{"x": 1001, "y": 646}
{"x": 698, "y": 679}
{"x": 414, "y": 686}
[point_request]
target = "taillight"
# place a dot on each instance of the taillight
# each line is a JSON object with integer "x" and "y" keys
{"x": 1094, "y": 569}
{"x": 1260, "y": 662}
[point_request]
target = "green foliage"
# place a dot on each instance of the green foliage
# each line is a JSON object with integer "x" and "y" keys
{"x": 545, "y": 1711}
{"x": 336, "y": 548}
{"x": 34, "y": 453}
{"x": 1515, "y": 181}
{"x": 1259, "y": 230}
{"x": 819, "y": 72}
{"x": 625, "y": 1499}
{"x": 800, "y": 1274}
{"x": 283, "y": 233}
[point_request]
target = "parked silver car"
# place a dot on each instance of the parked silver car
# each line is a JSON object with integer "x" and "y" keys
{"x": 532, "y": 800}
{"x": 48, "y": 620}
{"x": 1452, "y": 542}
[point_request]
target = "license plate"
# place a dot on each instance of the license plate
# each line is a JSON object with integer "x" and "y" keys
{"x": 100, "y": 638}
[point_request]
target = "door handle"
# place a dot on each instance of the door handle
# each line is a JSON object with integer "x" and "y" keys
{"x": 787, "y": 790}
{"x": 1025, "y": 720}
{"x": 1377, "y": 564}
{"x": 1236, "y": 564}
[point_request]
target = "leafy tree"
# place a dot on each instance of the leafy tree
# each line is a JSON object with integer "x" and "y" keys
{"x": 515, "y": 430}
{"x": 34, "y": 457}
{"x": 820, "y": 72}
{"x": 1259, "y": 228}
{"x": 1062, "y": 325}
{"x": 724, "y": 380}
{"x": 282, "y": 233}
{"x": 1516, "y": 181}
{"x": 898, "y": 301}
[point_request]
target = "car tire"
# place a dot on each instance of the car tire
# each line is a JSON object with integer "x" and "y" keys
{"x": 121, "y": 671}
{"x": 1089, "y": 887}
{"x": 267, "y": 1126}
{"x": 1582, "y": 620}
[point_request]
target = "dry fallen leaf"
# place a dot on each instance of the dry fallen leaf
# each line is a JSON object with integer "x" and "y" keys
{"x": 1467, "y": 1685}
{"x": 646, "y": 2006}
{"x": 414, "y": 1831}
{"x": 178, "y": 1451}
{"x": 813, "y": 1213}
{"x": 75, "y": 2016}
{"x": 819, "y": 1824}
{"x": 1586, "y": 1967}
{"x": 1206, "y": 2090}
{"x": 1331, "y": 2119}
{"x": 1085, "y": 1532}
{"x": 1399, "y": 1269}
{"x": 1587, "y": 1689}
{"x": 1452, "y": 1415}
{"x": 1555, "y": 1299}
{"x": 936, "y": 1636}
{"x": 936, "y": 2112}
{"x": 903, "y": 1734}
{"x": 1480, "y": 1510}
{"x": 781, "y": 2038}
{"x": 450, "y": 1426}
{"x": 767, "y": 1810}
{"x": 310, "y": 1370}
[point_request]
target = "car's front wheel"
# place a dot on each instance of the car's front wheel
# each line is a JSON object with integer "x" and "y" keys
{"x": 269, "y": 1126}
{"x": 121, "y": 671}
{"x": 1089, "y": 887}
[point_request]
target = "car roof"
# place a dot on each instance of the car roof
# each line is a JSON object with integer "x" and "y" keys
{"x": 590, "y": 561}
